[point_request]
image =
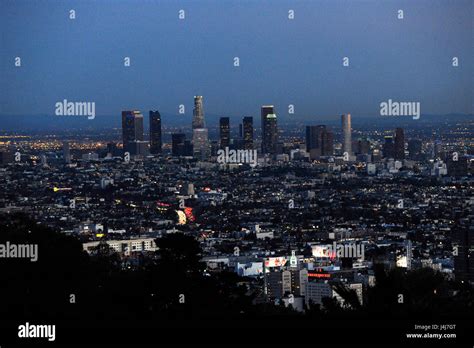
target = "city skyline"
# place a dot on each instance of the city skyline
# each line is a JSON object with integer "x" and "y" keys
{"x": 258, "y": 168}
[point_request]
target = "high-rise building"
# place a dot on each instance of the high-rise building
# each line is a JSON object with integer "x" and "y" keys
{"x": 132, "y": 130}
{"x": 188, "y": 148}
{"x": 224, "y": 132}
{"x": 178, "y": 144}
{"x": 66, "y": 152}
{"x": 314, "y": 140}
{"x": 198, "y": 113}
{"x": 388, "y": 147}
{"x": 201, "y": 146}
{"x": 248, "y": 132}
{"x": 399, "y": 150}
{"x": 155, "y": 132}
{"x": 328, "y": 143}
{"x": 319, "y": 141}
{"x": 346, "y": 133}
{"x": 269, "y": 130}
{"x": 414, "y": 148}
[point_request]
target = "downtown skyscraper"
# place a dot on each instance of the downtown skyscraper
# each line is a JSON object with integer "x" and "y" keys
{"x": 132, "y": 132}
{"x": 269, "y": 129}
{"x": 155, "y": 132}
{"x": 346, "y": 133}
{"x": 198, "y": 113}
{"x": 224, "y": 132}
{"x": 319, "y": 141}
{"x": 247, "y": 129}
{"x": 399, "y": 150}
{"x": 200, "y": 133}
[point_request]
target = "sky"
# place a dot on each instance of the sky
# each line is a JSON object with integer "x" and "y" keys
{"x": 282, "y": 61}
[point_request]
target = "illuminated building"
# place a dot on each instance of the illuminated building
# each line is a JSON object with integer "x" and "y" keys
{"x": 201, "y": 147}
{"x": 132, "y": 131}
{"x": 248, "y": 133}
{"x": 346, "y": 133}
{"x": 224, "y": 131}
{"x": 269, "y": 130}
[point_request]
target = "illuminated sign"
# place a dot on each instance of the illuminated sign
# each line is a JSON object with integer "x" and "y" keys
{"x": 181, "y": 217}
{"x": 189, "y": 214}
{"x": 275, "y": 262}
{"x": 161, "y": 204}
{"x": 324, "y": 251}
{"x": 319, "y": 275}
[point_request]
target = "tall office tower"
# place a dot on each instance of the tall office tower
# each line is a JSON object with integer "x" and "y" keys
{"x": 388, "y": 147}
{"x": 328, "y": 143}
{"x": 269, "y": 130}
{"x": 399, "y": 144}
{"x": 188, "y": 148}
{"x": 463, "y": 243}
{"x": 201, "y": 146}
{"x": 414, "y": 148}
{"x": 346, "y": 133}
{"x": 314, "y": 140}
{"x": 409, "y": 254}
{"x": 178, "y": 144}
{"x": 66, "y": 152}
{"x": 319, "y": 142}
{"x": 248, "y": 132}
{"x": 198, "y": 113}
{"x": 155, "y": 132}
{"x": 224, "y": 131}
{"x": 132, "y": 130}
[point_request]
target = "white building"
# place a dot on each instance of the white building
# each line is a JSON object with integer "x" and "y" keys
{"x": 125, "y": 246}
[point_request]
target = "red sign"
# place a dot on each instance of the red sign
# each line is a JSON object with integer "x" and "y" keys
{"x": 319, "y": 275}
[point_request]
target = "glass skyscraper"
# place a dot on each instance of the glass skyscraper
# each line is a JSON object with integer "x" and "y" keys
{"x": 132, "y": 130}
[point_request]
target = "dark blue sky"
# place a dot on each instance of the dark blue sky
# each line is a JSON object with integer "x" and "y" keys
{"x": 282, "y": 61}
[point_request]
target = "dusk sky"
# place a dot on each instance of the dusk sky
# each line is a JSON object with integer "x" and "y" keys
{"x": 282, "y": 61}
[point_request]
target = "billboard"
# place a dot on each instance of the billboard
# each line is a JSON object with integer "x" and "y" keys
{"x": 275, "y": 262}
